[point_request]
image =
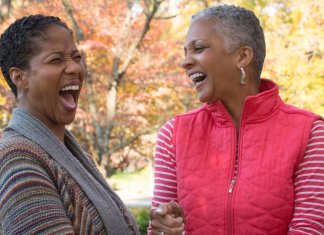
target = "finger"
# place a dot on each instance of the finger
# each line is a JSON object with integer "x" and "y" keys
{"x": 171, "y": 231}
{"x": 166, "y": 221}
{"x": 175, "y": 231}
{"x": 158, "y": 232}
{"x": 170, "y": 208}
{"x": 160, "y": 211}
{"x": 177, "y": 210}
{"x": 174, "y": 209}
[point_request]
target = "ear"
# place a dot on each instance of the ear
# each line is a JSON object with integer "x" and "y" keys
{"x": 18, "y": 77}
{"x": 245, "y": 56}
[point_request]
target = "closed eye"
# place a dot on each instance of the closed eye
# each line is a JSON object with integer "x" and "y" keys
{"x": 199, "y": 49}
{"x": 77, "y": 58}
{"x": 56, "y": 60}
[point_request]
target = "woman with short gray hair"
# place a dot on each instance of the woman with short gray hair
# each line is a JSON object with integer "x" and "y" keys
{"x": 245, "y": 162}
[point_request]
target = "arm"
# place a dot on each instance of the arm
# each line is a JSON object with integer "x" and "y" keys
{"x": 169, "y": 218}
{"x": 308, "y": 216}
{"x": 165, "y": 179}
{"x": 29, "y": 201}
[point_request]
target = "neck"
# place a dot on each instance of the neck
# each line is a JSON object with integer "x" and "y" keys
{"x": 235, "y": 104}
{"x": 235, "y": 109}
{"x": 58, "y": 130}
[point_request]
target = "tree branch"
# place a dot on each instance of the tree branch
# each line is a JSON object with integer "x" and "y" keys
{"x": 120, "y": 47}
{"x": 133, "y": 139}
{"x": 76, "y": 27}
{"x": 152, "y": 9}
{"x": 165, "y": 17}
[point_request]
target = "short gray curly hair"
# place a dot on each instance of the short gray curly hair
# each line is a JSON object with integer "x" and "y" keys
{"x": 239, "y": 27}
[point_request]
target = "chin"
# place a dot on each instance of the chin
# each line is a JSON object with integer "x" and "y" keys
{"x": 67, "y": 120}
{"x": 203, "y": 99}
{"x": 207, "y": 98}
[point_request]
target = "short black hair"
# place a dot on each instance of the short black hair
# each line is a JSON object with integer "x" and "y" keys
{"x": 17, "y": 44}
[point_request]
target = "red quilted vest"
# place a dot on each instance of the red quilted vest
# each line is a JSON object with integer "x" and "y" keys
{"x": 272, "y": 140}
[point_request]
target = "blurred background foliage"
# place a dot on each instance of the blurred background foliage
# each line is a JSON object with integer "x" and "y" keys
{"x": 133, "y": 50}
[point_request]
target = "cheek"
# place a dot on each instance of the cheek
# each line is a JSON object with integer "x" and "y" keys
{"x": 211, "y": 61}
{"x": 44, "y": 89}
{"x": 83, "y": 72}
{"x": 35, "y": 87}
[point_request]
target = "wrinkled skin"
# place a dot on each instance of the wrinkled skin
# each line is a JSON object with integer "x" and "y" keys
{"x": 168, "y": 218}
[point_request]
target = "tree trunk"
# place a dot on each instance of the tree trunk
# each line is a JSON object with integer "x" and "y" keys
{"x": 103, "y": 130}
{"x": 119, "y": 69}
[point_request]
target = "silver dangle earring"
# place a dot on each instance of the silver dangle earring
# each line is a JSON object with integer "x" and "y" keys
{"x": 243, "y": 82}
{"x": 20, "y": 95}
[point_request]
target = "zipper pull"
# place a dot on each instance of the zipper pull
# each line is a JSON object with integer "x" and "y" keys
{"x": 230, "y": 190}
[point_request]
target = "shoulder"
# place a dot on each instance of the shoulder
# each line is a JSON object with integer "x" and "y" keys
{"x": 290, "y": 109}
{"x": 165, "y": 134}
{"x": 317, "y": 129}
{"x": 168, "y": 127}
{"x": 13, "y": 141}
{"x": 318, "y": 124}
{"x": 192, "y": 112}
{"x": 15, "y": 148}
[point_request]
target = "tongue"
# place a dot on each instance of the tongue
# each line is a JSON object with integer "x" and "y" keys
{"x": 67, "y": 100}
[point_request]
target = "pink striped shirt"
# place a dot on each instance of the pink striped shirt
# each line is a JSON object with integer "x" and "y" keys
{"x": 309, "y": 180}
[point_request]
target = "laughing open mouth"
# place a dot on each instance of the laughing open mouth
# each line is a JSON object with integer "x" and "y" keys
{"x": 197, "y": 77}
{"x": 69, "y": 96}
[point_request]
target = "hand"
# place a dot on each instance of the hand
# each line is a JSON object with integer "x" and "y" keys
{"x": 168, "y": 218}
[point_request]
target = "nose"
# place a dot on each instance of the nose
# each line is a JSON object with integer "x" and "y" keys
{"x": 74, "y": 67}
{"x": 187, "y": 62}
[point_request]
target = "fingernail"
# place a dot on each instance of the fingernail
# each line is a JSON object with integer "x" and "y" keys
{"x": 159, "y": 210}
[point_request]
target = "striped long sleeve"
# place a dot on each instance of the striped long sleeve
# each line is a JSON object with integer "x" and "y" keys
{"x": 309, "y": 187}
{"x": 165, "y": 179}
{"x": 309, "y": 180}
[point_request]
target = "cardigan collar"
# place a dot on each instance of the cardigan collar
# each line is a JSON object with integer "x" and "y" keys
{"x": 75, "y": 161}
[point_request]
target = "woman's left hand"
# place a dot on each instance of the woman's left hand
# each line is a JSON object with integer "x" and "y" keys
{"x": 167, "y": 219}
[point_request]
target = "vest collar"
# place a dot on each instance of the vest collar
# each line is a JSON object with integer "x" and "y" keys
{"x": 256, "y": 108}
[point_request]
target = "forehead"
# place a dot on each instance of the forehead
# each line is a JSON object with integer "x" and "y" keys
{"x": 55, "y": 37}
{"x": 202, "y": 29}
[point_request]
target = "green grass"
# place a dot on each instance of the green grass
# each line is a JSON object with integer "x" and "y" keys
{"x": 142, "y": 218}
{"x": 121, "y": 180}
{"x": 128, "y": 185}
{"x": 133, "y": 185}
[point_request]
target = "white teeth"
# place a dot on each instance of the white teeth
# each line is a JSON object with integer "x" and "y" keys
{"x": 196, "y": 75}
{"x": 71, "y": 88}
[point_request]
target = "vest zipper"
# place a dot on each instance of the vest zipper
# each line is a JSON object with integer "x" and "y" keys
{"x": 230, "y": 194}
{"x": 229, "y": 207}
{"x": 234, "y": 176}
{"x": 230, "y": 190}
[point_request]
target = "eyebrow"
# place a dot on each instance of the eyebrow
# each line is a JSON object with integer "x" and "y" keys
{"x": 190, "y": 43}
{"x": 75, "y": 51}
{"x": 193, "y": 42}
{"x": 65, "y": 52}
